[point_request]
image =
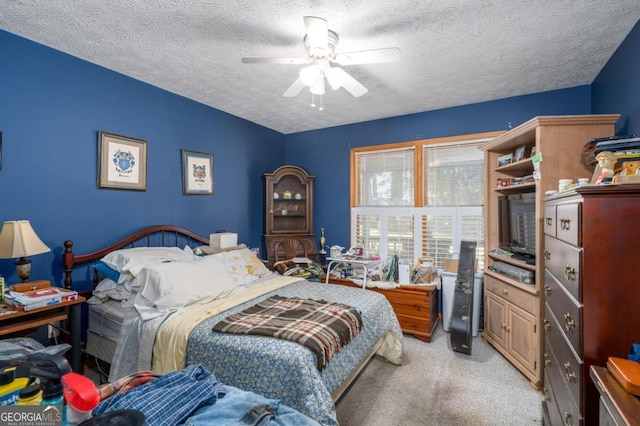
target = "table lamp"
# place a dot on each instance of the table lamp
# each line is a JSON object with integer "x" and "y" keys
{"x": 18, "y": 240}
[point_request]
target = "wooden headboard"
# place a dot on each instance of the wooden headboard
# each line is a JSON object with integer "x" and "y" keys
{"x": 153, "y": 236}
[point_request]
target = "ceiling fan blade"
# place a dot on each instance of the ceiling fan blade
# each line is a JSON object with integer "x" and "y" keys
{"x": 294, "y": 89}
{"x": 317, "y": 33}
{"x": 352, "y": 85}
{"x": 266, "y": 60}
{"x": 375, "y": 56}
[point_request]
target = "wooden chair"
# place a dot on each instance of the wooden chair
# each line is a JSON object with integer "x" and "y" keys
{"x": 291, "y": 246}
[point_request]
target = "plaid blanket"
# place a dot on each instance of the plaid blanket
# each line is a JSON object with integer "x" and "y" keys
{"x": 321, "y": 326}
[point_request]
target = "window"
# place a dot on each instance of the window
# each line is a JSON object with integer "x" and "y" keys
{"x": 419, "y": 199}
{"x": 386, "y": 178}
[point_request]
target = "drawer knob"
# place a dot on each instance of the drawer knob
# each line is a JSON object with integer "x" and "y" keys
{"x": 505, "y": 291}
{"x": 548, "y": 221}
{"x": 547, "y": 360}
{"x": 547, "y": 290}
{"x": 567, "y": 419}
{"x": 568, "y": 322}
{"x": 567, "y": 372}
{"x": 569, "y": 273}
{"x": 547, "y": 324}
{"x": 547, "y": 255}
{"x": 565, "y": 224}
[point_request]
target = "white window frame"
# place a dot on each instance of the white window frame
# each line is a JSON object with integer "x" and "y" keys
{"x": 384, "y": 212}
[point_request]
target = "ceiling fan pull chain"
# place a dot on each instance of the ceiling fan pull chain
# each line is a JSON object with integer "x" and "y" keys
{"x": 313, "y": 103}
{"x": 321, "y": 107}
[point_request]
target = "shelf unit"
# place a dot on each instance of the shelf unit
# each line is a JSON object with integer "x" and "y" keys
{"x": 289, "y": 209}
{"x": 512, "y": 309}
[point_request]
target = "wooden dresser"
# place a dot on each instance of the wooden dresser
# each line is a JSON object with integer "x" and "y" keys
{"x": 415, "y": 306}
{"x": 592, "y": 268}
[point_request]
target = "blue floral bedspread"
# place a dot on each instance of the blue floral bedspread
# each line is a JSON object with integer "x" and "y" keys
{"x": 287, "y": 371}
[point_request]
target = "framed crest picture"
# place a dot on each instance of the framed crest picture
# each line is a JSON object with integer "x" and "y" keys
{"x": 197, "y": 173}
{"x": 122, "y": 162}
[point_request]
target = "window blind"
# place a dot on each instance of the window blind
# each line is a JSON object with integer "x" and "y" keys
{"x": 386, "y": 178}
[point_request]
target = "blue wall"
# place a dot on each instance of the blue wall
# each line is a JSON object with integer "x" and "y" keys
{"x": 617, "y": 87}
{"x": 52, "y": 106}
{"x": 325, "y": 153}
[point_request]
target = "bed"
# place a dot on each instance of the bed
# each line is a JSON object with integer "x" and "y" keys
{"x": 150, "y": 337}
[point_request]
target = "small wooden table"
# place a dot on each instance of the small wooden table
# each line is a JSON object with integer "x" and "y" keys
{"x": 617, "y": 406}
{"x": 16, "y": 321}
{"x": 415, "y": 306}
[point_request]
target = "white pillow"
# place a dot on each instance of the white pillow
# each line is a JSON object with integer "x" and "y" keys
{"x": 243, "y": 265}
{"x": 133, "y": 259}
{"x": 109, "y": 289}
{"x": 164, "y": 287}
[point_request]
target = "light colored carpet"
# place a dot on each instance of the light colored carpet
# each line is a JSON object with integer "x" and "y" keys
{"x": 436, "y": 386}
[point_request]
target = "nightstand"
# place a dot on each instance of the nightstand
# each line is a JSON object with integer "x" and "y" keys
{"x": 16, "y": 321}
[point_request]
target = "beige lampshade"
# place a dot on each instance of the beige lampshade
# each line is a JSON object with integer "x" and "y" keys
{"x": 18, "y": 239}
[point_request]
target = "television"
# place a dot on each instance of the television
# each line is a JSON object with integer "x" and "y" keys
{"x": 517, "y": 224}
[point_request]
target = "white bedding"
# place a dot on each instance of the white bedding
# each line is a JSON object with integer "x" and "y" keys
{"x": 105, "y": 319}
{"x": 138, "y": 336}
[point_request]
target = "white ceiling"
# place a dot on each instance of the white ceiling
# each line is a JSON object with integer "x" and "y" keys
{"x": 454, "y": 52}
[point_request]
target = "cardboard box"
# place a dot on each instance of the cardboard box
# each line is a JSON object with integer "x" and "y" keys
{"x": 36, "y": 299}
{"x": 451, "y": 265}
{"x": 222, "y": 240}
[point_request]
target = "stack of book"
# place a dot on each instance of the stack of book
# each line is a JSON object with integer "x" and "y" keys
{"x": 35, "y": 299}
{"x": 626, "y": 148}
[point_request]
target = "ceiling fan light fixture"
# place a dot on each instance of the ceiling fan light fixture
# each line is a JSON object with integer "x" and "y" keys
{"x": 335, "y": 77}
{"x": 309, "y": 74}
{"x": 317, "y": 88}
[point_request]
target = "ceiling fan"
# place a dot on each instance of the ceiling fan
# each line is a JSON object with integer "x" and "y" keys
{"x": 323, "y": 62}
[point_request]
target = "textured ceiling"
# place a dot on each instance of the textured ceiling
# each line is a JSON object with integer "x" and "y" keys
{"x": 454, "y": 52}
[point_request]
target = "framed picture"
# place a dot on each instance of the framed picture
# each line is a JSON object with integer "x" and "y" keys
{"x": 505, "y": 159}
{"x": 122, "y": 162}
{"x": 197, "y": 173}
{"x": 519, "y": 154}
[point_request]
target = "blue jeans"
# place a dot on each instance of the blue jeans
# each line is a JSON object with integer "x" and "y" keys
{"x": 241, "y": 408}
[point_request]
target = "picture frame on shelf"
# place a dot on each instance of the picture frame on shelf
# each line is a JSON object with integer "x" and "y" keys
{"x": 122, "y": 162}
{"x": 197, "y": 173}
{"x": 505, "y": 159}
{"x": 520, "y": 153}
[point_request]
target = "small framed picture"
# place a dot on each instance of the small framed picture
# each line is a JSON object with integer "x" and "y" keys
{"x": 519, "y": 154}
{"x": 122, "y": 162}
{"x": 505, "y": 159}
{"x": 197, "y": 173}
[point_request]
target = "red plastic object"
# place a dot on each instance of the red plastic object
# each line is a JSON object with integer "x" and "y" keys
{"x": 80, "y": 392}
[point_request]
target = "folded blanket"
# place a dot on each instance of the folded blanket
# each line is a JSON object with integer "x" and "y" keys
{"x": 321, "y": 326}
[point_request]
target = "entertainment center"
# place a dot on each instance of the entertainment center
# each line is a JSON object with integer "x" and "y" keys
{"x": 513, "y": 309}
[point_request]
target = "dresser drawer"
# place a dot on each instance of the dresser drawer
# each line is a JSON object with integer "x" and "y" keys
{"x": 567, "y": 311}
{"x": 568, "y": 218}
{"x": 550, "y": 220}
{"x": 550, "y": 414}
{"x": 410, "y": 324}
{"x": 510, "y": 293}
{"x": 565, "y": 263}
{"x": 566, "y": 407}
{"x": 417, "y": 299}
{"x": 569, "y": 366}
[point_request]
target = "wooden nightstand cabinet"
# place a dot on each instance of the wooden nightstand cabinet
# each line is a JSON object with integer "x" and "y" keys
{"x": 17, "y": 321}
{"x": 415, "y": 306}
